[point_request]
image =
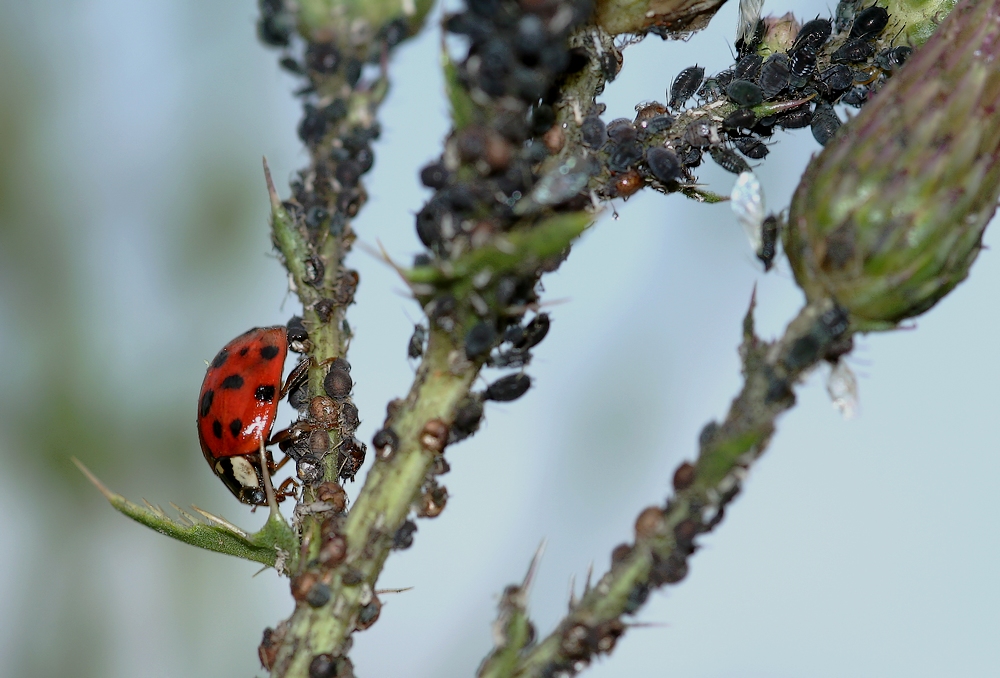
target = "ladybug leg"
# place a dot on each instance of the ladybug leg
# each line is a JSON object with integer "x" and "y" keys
{"x": 289, "y": 488}
{"x": 296, "y": 377}
{"x": 277, "y": 467}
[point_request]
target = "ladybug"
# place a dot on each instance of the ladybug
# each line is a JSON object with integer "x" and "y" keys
{"x": 237, "y": 407}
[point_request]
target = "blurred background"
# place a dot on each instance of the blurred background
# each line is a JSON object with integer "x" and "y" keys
{"x": 134, "y": 244}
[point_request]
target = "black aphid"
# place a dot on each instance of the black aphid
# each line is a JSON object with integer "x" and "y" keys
{"x": 741, "y": 118}
{"x": 621, "y": 130}
{"x": 751, "y": 147}
{"x": 795, "y": 119}
{"x": 685, "y": 85}
{"x": 728, "y": 160}
{"x": 891, "y": 59}
{"x": 655, "y": 125}
{"x": 664, "y": 164}
{"x": 508, "y": 388}
{"x": 856, "y": 97}
{"x": 825, "y": 123}
{"x": 625, "y": 155}
{"x": 744, "y": 93}
{"x": 479, "y": 339}
{"x": 837, "y": 78}
{"x": 744, "y": 47}
{"x": 415, "y": 348}
{"x": 691, "y": 157}
{"x": 812, "y": 35}
{"x": 593, "y": 131}
{"x": 869, "y": 22}
{"x": 768, "y": 241}
{"x": 854, "y": 51}
{"x": 534, "y": 332}
{"x": 774, "y": 75}
{"x": 802, "y": 64}
{"x": 698, "y": 133}
{"x": 748, "y": 67}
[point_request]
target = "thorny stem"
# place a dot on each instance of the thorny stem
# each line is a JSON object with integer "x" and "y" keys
{"x": 665, "y": 535}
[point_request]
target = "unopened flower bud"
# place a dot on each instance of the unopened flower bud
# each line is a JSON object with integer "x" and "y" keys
{"x": 890, "y": 216}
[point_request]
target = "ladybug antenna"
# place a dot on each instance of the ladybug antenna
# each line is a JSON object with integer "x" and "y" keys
{"x": 272, "y": 502}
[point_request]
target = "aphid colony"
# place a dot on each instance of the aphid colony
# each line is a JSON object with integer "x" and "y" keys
{"x": 770, "y": 86}
{"x": 238, "y": 405}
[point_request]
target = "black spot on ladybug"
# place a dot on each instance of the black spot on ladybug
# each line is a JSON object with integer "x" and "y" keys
{"x": 233, "y": 382}
{"x": 235, "y": 426}
{"x": 220, "y": 359}
{"x": 244, "y": 351}
{"x": 206, "y": 402}
{"x": 217, "y": 429}
{"x": 269, "y": 352}
{"x": 264, "y": 393}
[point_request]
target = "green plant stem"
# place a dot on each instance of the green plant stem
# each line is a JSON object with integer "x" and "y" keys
{"x": 389, "y": 492}
{"x": 665, "y": 535}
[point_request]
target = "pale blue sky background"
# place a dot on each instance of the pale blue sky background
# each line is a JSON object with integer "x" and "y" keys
{"x": 133, "y": 244}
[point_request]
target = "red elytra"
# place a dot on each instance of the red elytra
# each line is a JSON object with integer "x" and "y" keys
{"x": 237, "y": 407}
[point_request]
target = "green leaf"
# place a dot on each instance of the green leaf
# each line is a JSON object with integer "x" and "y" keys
{"x": 271, "y": 546}
{"x": 463, "y": 108}
{"x": 514, "y": 251}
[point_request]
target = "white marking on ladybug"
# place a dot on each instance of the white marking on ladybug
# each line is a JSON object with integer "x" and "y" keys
{"x": 244, "y": 472}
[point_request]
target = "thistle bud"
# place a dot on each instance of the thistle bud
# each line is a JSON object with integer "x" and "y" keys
{"x": 890, "y": 216}
{"x": 779, "y": 34}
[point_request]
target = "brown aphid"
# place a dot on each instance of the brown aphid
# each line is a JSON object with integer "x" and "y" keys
{"x": 554, "y": 139}
{"x": 303, "y": 584}
{"x": 649, "y": 110}
{"x": 432, "y": 502}
{"x": 323, "y": 666}
{"x": 575, "y": 642}
{"x": 627, "y": 184}
{"x": 323, "y": 412}
{"x": 351, "y": 457}
{"x": 347, "y": 285}
{"x": 349, "y": 420}
{"x": 332, "y": 493}
{"x": 333, "y": 551}
{"x": 648, "y": 523}
{"x": 319, "y": 443}
{"x": 338, "y": 383}
{"x": 607, "y": 635}
{"x": 498, "y": 152}
{"x": 620, "y": 553}
{"x": 268, "y": 649}
{"x": 684, "y": 476}
{"x": 686, "y": 531}
{"x": 435, "y": 435}
{"x": 368, "y": 614}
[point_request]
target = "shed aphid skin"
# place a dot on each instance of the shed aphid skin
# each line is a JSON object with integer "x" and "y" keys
{"x": 842, "y": 386}
{"x": 747, "y": 202}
